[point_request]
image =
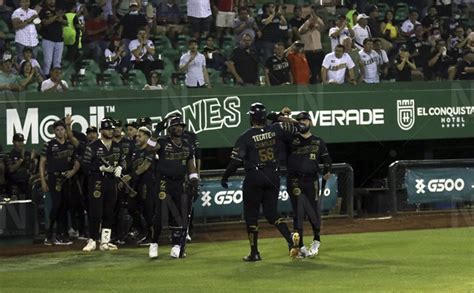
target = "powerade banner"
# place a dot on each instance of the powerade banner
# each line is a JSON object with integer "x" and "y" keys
{"x": 440, "y": 185}
{"x": 214, "y": 201}
{"x": 339, "y": 113}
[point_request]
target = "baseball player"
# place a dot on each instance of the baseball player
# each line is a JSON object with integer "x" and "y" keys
{"x": 103, "y": 162}
{"x": 257, "y": 150}
{"x": 306, "y": 151}
{"x": 20, "y": 164}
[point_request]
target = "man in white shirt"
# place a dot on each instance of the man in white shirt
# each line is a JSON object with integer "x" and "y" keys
{"x": 24, "y": 22}
{"x": 361, "y": 31}
{"x": 199, "y": 18}
{"x": 370, "y": 60}
{"x": 384, "y": 62}
{"x": 142, "y": 51}
{"x": 194, "y": 64}
{"x": 54, "y": 83}
{"x": 335, "y": 65}
{"x": 408, "y": 26}
{"x": 340, "y": 32}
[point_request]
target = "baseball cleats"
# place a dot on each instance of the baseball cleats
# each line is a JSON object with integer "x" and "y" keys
{"x": 252, "y": 257}
{"x": 90, "y": 246}
{"x": 314, "y": 249}
{"x": 304, "y": 252}
{"x": 175, "y": 250}
{"x": 153, "y": 250}
{"x": 108, "y": 246}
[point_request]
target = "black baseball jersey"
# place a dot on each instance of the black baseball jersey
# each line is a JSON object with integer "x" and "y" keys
{"x": 59, "y": 157}
{"x": 96, "y": 150}
{"x": 279, "y": 70}
{"x": 22, "y": 174}
{"x": 305, "y": 155}
{"x": 173, "y": 159}
{"x": 128, "y": 147}
{"x": 192, "y": 139}
{"x": 261, "y": 146}
{"x": 138, "y": 157}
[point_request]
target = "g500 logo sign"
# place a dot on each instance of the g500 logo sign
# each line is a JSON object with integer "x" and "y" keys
{"x": 225, "y": 197}
{"x": 439, "y": 185}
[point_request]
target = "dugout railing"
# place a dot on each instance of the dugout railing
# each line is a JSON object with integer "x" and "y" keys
{"x": 397, "y": 187}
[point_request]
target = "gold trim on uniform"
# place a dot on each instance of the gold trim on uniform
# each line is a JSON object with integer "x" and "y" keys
{"x": 97, "y": 194}
{"x": 162, "y": 195}
{"x": 296, "y": 191}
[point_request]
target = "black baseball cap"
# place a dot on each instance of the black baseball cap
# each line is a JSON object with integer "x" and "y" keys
{"x": 107, "y": 124}
{"x": 117, "y": 123}
{"x": 133, "y": 124}
{"x": 303, "y": 115}
{"x": 144, "y": 121}
{"x": 18, "y": 137}
{"x": 91, "y": 129}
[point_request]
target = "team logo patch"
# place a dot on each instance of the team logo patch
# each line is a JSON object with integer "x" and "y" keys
{"x": 97, "y": 194}
{"x": 58, "y": 187}
{"x": 162, "y": 195}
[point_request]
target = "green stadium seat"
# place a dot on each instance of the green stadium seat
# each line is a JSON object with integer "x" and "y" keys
{"x": 136, "y": 79}
{"x": 383, "y": 8}
{"x": 401, "y": 12}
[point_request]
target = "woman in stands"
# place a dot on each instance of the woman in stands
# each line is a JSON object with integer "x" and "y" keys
{"x": 31, "y": 79}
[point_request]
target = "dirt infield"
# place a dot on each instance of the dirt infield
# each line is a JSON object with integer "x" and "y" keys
{"x": 224, "y": 232}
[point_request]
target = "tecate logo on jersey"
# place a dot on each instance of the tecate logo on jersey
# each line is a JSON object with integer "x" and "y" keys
{"x": 33, "y": 127}
{"x": 439, "y": 185}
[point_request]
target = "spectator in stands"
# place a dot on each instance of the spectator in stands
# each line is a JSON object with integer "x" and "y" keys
{"x": 245, "y": 24}
{"x": 24, "y": 22}
{"x": 3, "y": 30}
{"x": 214, "y": 58}
{"x": 373, "y": 21}
{"x": 340, "y": 32}
{"x": 404, "y": 65}
{"x": 28, "y": 56}
{"x": 388, "y": 28}
{"x": 54, "y": 83}
{"x": 52, "y": 22}
{"x": 193, "y": 64}
{"x": 300, "y": 69}
{"x": 225, "y": 17}
{"x": 458, "y": 43}
{"x": 432, "y": 19}
{"x": 154, "y": 82}
{"x": 277, "y": 67}
{"x": 450, "y": 24}
{"x": 371, "y": 61}
{"x": 20, "y": 164}
{"x": 243, "y": 63}
{"x": 438, "y": 62}
{"x": 310, "y": 33}
{"x": 31, "y": 78}
{"x": 72, "y": 34}
{"x": 96, "y": 29}
{"x": 295, "y": 23}
{"x": 130, "y": 24}
{"x": 273, "y": 25}
{"x": 418, "y": 47}
{"x": 122, "y": 8}
{"x": 434, "y": 37}
{"x": 384, "y": 62}
{"x": 409, "y": 25}
{"x": 8, "y": 80}
{"x": 464, "y": 69}
{"x": 199, "y": 18}
{"x": 353, "y": 52}
{"x": 335, "y": 65}
{"x": 361, "y": 31}
{"x": 115, "y": 56}
{"x": 142, "y": 52}
{"x": 351, "y": 17}
{"x": 168, "y": 19}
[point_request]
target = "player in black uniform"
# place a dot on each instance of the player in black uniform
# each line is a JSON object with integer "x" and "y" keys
{"x": 92, "y": 134}
{"x": 20, "y": 164}
{"x": 59, "y": 162}
{"x": 132, "y": 130}
{"x": 306, "y": 152}
{"x": 257, "y": 149}
{"x": 142, "y": 173}
{"x": 103, "y": 162}
{"x": 176, "y": 160}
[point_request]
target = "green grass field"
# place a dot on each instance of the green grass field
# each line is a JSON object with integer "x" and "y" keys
{"x": 440, "y": 260}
